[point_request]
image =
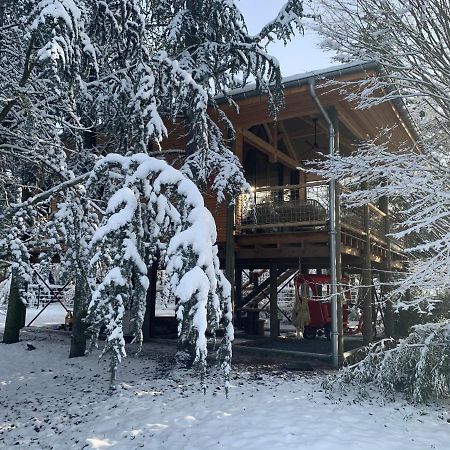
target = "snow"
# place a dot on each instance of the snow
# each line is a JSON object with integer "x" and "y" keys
{"x": 49, "y": 401}
{"x": 120, "y": 218}
{"x": 52, "y": 316}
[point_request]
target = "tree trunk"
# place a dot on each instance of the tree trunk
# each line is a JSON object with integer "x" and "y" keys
{"x": 79, "y": 326}
{"x": 15, "y": 314}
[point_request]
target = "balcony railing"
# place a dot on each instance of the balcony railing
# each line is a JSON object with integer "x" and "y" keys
{"x": 295, "y": 207}
{"x": 283, "y": 207}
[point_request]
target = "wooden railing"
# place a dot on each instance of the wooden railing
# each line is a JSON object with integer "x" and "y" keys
{"x": 298, "y": 207}
{"x": 282, "y": 207}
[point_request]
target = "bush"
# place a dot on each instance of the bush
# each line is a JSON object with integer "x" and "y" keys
{"x": 418, "y": 366}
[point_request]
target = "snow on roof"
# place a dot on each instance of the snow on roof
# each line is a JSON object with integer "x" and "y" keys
{"x": 294, "y": 80}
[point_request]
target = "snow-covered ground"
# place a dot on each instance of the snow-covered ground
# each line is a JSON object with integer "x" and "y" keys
{"x": 53, "y": 315}
{"x": 48, "y": 401}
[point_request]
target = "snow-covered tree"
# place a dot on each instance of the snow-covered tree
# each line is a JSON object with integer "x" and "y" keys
{"x": 97, "y": 78}
{"x": 41, "y": 48}
{"x": 409, "y": 41}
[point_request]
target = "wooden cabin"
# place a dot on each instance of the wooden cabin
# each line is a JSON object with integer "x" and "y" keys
{"x": 282, "y": 226}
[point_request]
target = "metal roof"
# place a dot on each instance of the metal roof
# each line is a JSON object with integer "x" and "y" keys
{"x": 303, "y": 78}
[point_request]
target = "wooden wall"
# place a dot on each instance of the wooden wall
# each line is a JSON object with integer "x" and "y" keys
{"x": 219, "y": 212}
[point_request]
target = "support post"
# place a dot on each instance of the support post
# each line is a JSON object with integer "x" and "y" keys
{"x": 238, "y": 298}
{"x": 331, "y": 229}
{"x": 340, "y": 298}
{"x": 367, "y": 281}
{"x": 386, "y": 274}
{"x": 229, "y": 248}
{"x": 230, "y": 257}
{"x": 148, "y": 327}
{"x": 332, "y": 112}
{"x": 274, "y": 322}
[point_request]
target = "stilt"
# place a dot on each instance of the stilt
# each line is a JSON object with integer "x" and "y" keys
{"x": 274, "y": 322}
{"x": 367, "y": 281}
{"x": 332, "y": 112}
{"x": 386, "y": 277}
{"x": 238, "y": 298}
{"x": 339, "y": 278}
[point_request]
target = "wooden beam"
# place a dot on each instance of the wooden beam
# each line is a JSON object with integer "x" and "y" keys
{"x": 287, "y": 141}
{"x": 268, "y": 132}
{"x": 283, "y": 238}
{"x": 306, "y": 134}
{"x": 269, "y": 149}
{"x": 350, "y": 121}
{"x": 238, "y": 148}
{"x": 312, "y": 251}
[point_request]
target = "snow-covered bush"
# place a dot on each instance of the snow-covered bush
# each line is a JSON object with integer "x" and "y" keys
{"x": 418, "y": 366}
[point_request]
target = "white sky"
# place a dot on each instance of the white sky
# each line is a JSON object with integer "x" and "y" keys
{"x": 301, "y": 54}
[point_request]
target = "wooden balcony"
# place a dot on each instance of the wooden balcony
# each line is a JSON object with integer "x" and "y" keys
{"x": 290, "y": 222}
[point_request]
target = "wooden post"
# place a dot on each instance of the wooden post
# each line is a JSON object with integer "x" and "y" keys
{"x": 229, "y": 249}
{"x": 367, "y": 281}
{"x": 238, "y": 298}
{"x": 229, "y": 231}
{"x": 148, "y": 328}
{"x": 339, "y": 277}
{"x": 229, "y": 244}
{"x": 386, "y": 274}
{"x": 274, "y": 322}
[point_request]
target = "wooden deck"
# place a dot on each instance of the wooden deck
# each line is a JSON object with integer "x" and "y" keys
{"x": 285, "y": 224}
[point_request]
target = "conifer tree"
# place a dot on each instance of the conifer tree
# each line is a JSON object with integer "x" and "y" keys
{"x": 98, "y": 84}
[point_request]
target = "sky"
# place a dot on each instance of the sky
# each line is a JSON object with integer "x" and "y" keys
{"x": 301, "y": 54}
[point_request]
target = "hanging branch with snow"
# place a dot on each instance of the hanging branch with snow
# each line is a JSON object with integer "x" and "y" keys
{"x": 420, "y": 180}
{"x": 154, "y": 207}
{"x": 406, "y": 40}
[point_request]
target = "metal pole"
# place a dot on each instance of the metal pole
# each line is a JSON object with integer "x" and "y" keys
{"x": 332, "y": 229}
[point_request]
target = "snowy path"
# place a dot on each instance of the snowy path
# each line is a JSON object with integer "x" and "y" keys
{"x": 50, "y": 402}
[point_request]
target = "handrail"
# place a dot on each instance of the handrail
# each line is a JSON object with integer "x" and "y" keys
{"x": 289, "y": 186}
{"x": 376, "y": 210}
